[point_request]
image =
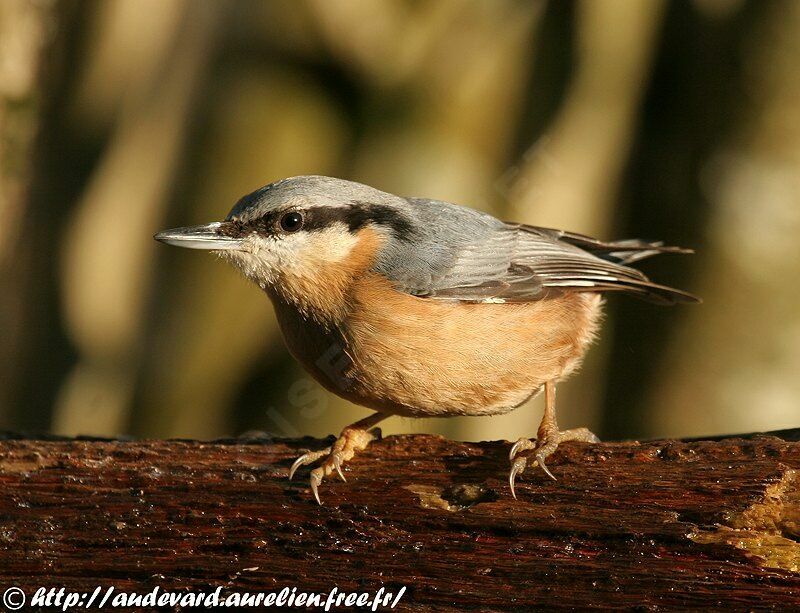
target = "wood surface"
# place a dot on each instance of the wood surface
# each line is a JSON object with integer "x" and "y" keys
{"x": 653, "y": 526}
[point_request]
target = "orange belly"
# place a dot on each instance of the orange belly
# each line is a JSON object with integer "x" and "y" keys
{"x": 418, "y": 357}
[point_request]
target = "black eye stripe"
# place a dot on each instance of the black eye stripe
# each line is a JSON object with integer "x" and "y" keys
{"x": 268, "y": 225}
{"x": 354, "y": 217}
{"x": 358, "y": 215}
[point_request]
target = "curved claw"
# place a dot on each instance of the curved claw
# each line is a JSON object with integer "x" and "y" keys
{"x": 337, "y": 463}
{"x": 540, "y": 462}
{"x": 521, "y": 445}
{"x": 307, "y": 458}
{"x": 517, "y": 468}
{"x": 316, "y": 479}
{"x": 297, "y": 464}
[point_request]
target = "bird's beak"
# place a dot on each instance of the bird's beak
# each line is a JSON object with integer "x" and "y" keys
{"x": 208, "y": 237}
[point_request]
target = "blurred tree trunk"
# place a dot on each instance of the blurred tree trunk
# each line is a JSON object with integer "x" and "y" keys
{"x": 693, "y": 104}
{"x": 734, "y": 363}
{"x": 25, "y": 34}
{"x": 108, "y": 253}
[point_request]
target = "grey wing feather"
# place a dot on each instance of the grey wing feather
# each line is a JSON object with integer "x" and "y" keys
{"x": 473, "y": 257}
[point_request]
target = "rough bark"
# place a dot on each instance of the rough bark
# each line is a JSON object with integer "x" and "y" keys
{"x": 658, "y": 525}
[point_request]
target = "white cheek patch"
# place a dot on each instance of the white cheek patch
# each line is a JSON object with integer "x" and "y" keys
{"x": 329, "y": 246}
{"x": 302, "y": 254}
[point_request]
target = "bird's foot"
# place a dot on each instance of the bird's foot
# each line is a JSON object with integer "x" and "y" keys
{"x": 343, "y": 449}
{"x": 543, "y": 447}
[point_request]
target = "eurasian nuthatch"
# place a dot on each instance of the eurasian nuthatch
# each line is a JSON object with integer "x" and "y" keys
{"x": 436, "y": 309}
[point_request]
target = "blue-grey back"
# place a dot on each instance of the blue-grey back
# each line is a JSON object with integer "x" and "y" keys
{"x": 442, "y": 250}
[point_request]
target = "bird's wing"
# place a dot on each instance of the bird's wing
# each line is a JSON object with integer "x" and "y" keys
{"x": 520, "y": 263}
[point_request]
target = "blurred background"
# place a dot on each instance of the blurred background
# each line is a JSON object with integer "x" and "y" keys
{"x": 616, "y": 118}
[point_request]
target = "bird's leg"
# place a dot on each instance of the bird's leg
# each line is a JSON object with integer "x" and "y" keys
{"x": 354, "y": 437}
{"x": 548, "y": 438}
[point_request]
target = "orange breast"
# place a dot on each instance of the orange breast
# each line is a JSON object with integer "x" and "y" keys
{"x": 421, "y": 357}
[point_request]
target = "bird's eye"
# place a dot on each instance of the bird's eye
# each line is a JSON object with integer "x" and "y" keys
{"x": 292, "y": 222}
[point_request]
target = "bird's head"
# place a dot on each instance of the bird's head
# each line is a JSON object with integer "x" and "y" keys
{"x": 304, "y": 239}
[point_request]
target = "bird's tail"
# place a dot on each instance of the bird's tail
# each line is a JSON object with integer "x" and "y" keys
{"x": 625, "y": 251}
{"x": 617, "y": 275}
{"x": 628, "y": 251}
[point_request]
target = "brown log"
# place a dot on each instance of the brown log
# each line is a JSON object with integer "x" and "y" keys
{"x": 656, "y": 525}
